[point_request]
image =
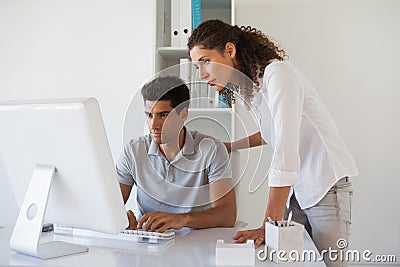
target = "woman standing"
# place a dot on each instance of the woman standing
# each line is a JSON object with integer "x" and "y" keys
{"x": 311, "y": 165}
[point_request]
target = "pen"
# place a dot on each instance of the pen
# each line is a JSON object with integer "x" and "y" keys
{"x": 289, "y": 219}
{"x": 271, "y": 221}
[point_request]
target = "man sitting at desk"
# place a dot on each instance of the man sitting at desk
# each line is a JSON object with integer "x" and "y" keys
{"x": 183, "y": 177}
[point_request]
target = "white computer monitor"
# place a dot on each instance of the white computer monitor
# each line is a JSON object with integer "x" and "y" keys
{"x": 56, "y": 155}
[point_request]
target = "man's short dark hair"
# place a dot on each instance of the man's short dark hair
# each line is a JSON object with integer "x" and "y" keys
{"x": 167, "y": 88}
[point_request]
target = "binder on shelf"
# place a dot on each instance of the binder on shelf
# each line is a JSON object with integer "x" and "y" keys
{"x": 225, "y": 98}
{"x": 167, "y": 24}
{"x": 175, "y": 23}
{"x": 202, "y": 95}
{"x": 194, "y": 87}
{"x": 185, "y": 69}
{"x": 181, "y": 22}
{"x": 196, "y": 13}
{"x": 185, "y": 21}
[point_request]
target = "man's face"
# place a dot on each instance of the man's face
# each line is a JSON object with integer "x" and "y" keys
{"x": 163, "y": 121}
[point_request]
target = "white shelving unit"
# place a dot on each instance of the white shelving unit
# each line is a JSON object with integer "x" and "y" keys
{"x": 218, "y": 122}
{"x": 165, "y": 55}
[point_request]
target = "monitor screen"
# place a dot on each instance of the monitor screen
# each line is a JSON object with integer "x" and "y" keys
{"x": 63, "y": 139}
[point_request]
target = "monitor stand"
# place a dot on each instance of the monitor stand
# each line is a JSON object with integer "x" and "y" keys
{"x": 26, "y": 235}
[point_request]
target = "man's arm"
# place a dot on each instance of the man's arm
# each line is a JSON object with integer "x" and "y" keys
{"x": 126, "y": 191}
{"x": 223, "y": 207}
{"x": 221, "y": 214}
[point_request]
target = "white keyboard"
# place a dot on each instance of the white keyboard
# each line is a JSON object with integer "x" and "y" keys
{"x": 127, "y": 235}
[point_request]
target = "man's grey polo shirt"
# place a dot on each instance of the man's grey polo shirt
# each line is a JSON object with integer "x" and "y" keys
{"x": 179, "y": 186}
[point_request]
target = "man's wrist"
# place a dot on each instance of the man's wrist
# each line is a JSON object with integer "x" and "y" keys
{"x": 186, "y": 219}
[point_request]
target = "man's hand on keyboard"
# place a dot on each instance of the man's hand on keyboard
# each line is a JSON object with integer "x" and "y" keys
{"x": 132, "y": 220}
{"x": 160, "y": 221}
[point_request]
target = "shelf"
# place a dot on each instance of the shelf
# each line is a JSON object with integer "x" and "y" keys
{"x": 212, "y": 110}
{"x": 173, "y": 52}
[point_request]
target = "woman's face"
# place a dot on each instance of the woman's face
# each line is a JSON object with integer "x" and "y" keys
{"x": 214, "y": 67}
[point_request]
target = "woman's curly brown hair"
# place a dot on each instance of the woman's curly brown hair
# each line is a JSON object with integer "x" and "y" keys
{"x": 254, "y": 50}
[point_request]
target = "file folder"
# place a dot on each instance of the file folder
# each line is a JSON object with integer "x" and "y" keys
{"x": 175, "y": 23}
{"x": 181, "y": 22}
{"x": 185, "y": 21}
{"x": 196, "y": 13}
{"x": 185, "y": 68}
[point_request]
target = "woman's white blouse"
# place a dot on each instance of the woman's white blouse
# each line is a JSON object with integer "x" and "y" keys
{"x": 309, "y": 153}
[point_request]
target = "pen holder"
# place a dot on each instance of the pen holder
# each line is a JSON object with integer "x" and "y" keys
{"x": 284, "y": 241}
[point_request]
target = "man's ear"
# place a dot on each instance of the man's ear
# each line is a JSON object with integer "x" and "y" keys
{"x": 230, "y": 48}
{"x": 184, "y": 114}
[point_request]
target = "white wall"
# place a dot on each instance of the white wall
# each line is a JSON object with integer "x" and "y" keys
{"x": 74, "y": 48}
{"x": 349, "y": 49}
{"x": 77, "y": 48}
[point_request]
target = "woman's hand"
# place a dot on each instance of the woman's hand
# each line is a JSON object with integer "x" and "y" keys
{"x": 228, "y": 147}
{"x": 258, "y": 235}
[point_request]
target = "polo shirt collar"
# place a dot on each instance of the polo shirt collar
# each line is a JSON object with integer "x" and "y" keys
{"x": 188, "y": 147}
{"x": 154, "y": 148}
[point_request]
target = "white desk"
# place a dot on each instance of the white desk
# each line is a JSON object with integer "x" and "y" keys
{"x": 190, "y": 248}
